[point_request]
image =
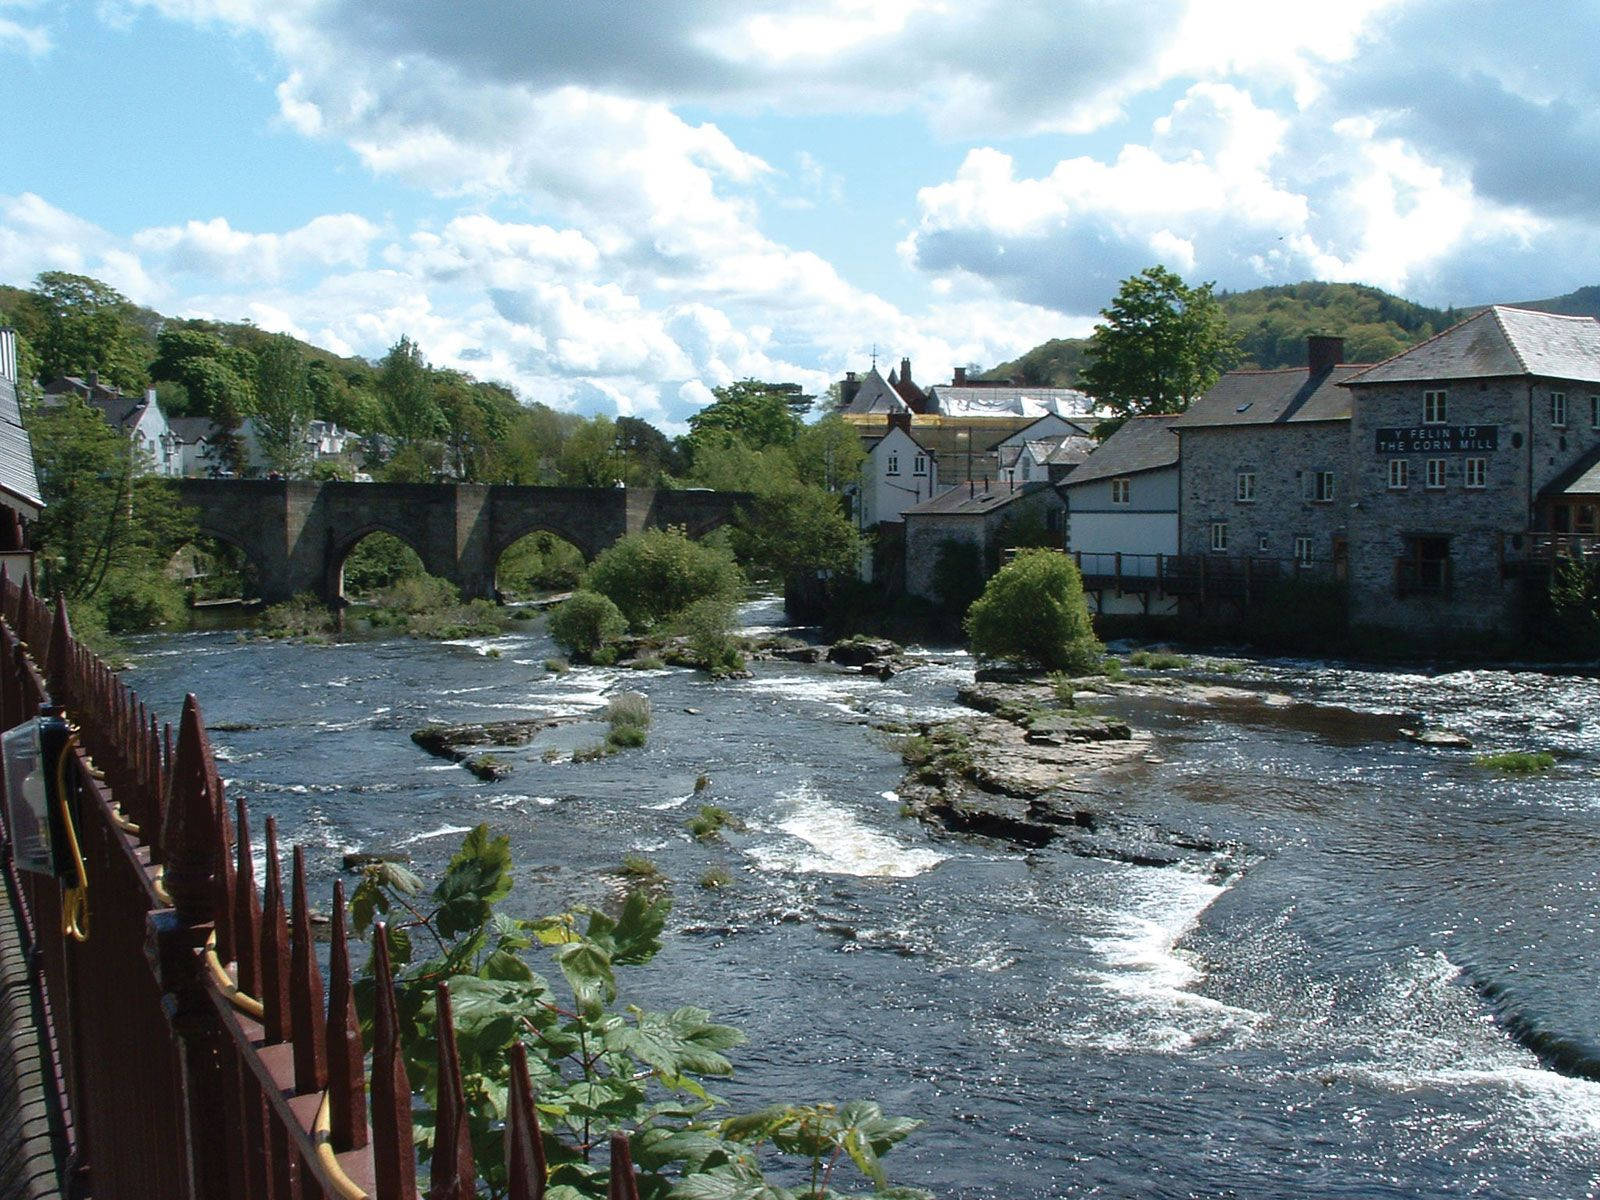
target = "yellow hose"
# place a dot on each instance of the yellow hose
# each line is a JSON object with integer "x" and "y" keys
{"x": 74, "y": 899}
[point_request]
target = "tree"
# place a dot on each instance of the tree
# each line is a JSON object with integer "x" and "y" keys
{"x": 586, "y": 621}
{"x": 283, "y": 406}
{"x": 801, "y": 529}
{"x": 588, "y": 457}
{"x": 762, "y": 414}
{"x": 828, "y": 454}
{"x": 1161, "y": 345}
{"x": 83, "y": 325}
{"x": 1033, "y": 613}
{"x": 405, "y": 393}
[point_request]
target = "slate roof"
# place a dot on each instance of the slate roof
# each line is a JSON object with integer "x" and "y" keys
{"x": 951, "y": 401}
{"x": 1499, "y": 342}
{"x": 120, "y": 412}
{"x": 964, "y": 501}
{"x": 192, "y": 429}
{"x": 875, "y": 396}
{"x": 1582, "y": 478}
{"x": 1140, "y": 444}
{"x": 1273, "y": 398}
{"x": 18, "y": 479}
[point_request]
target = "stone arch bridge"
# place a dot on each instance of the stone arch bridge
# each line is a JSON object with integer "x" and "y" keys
{"x": 297, "y": 535}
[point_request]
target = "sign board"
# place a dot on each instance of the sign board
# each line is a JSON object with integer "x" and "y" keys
{"x": 27, "y": 800}
{"x": 1439, "y": 439}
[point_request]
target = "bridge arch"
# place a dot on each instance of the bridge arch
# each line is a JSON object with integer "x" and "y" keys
{"x": 343, "y": 543}
{"x": 560, "y": 562}
{"x": 255, "y": 565}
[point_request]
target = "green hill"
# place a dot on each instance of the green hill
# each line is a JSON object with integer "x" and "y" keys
{"x": 1272, "y": 324}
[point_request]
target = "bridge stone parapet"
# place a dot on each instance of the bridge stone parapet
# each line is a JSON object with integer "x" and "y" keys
{"x": 297, "y": 535}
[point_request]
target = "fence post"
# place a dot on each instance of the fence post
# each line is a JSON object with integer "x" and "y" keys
{"x": 305, "y": 993}
{"x": 525, "y": 1165}
{"x": 347, "y": 1085}
{"x": 451, "y": 1174}
{"x": 178, "y": 935}
{"x": 394, "y": 1165}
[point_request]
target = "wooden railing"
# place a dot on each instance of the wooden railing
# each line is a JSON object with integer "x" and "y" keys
{"x": 1201, "y": 576}
{"x": 197, "y": 1054}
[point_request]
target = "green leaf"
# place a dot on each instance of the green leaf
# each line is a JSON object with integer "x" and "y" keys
{"x": 678, "y": 1042}
{"x": 588, "y": 971}
{"x": 369, "y": 900}
{"x": 638, "y": 929}
{"x": 880, "y": 1131}
{"x": 505, "y": 964}
{"x": 730, "y": 1182}
{"x": 393, "y": 875}
{"x": 477, "y": 877}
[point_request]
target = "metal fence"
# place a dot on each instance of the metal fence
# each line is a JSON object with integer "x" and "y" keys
{"x": 196, "y": 1051}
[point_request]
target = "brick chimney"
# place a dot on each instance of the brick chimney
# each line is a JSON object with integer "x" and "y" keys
{"x": 848, "y": 389}
{"x": 961, "y": 377}
{"x": 1323, "y": 353}
{"x": 899, "y": 420}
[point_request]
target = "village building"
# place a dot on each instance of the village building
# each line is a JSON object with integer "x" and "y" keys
{"x": 138, "y": 418}
{"x": 1048, "y": 448}
{"x": 987, "y": 520}
{"x": 1473, "y": 459}
{"x": 1264, "y": 465}
{"x": 20, "y": 497}
{"x": 1122, "y": 516}
{"x": 897, "y": 474}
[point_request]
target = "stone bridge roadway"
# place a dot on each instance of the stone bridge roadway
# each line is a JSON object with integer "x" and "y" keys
{"x": 298, "y": 534}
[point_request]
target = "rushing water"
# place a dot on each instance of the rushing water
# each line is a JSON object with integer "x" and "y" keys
{"x": 1388, "y": 990}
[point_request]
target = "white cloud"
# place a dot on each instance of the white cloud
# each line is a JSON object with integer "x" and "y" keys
{"x": 33, "y": 40}
{"x": 214, "y": 248}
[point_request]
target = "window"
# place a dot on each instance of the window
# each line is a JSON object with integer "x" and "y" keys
{"x": 1558, "y": 409}
{"x": 1399, "y": 474}
{"x": 919, "y": 465}
{"x": 1477, "y": 472}
{"x": 1433, "y": 408}
{"x": 1119, "y": 491}
{"x": 1423, "y": 568}
{"x": 1318, "y": 486}
{"x": 1027, "y": 469}
{"x": 1245, "y": 487}
{"x": 1262, "y": 543}
{"x": 1219, "y": 536}
{"x": 1302, "y": 551}
{"x": 894, "y": 464}
{"x": 1435, "y": 474}
{"x": 1594, "y": 412}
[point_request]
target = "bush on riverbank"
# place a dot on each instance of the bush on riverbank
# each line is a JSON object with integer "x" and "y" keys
{"x": 707, "y": 628}
{"x": 1033, "y": 613}
{"x": 302, "y": 617}
{"x": 646, "y": 1075}
{"x": 653, "y": 575}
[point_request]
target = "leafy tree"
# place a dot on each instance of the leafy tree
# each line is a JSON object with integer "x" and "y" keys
{"x": 762, "y": 414}
{"x": 800, "y": 529}
{"x": 599, "y": 1066}
{"x": 647, "y": 453}
{"x": 586, "y": 621}
{"x": 405, "y": 392}
{"x": 380, "y": 560}
{"x": 1160, "y": 345}
{"x": 106, "y": 533}
{"x": 84, "y": 325}
{"x": 539, "y": 562}
{"x": 656, "y": 573}
{"x": 1574, "y": 595}
{"x": 828, "y": 454}
{"x": 731, "y": 465}
{"x": 588, "y": 456}
{"x": 345, "y": 398}
{"x": 1033, "y": 613}
{"x": 218, "y": 382}
{"x": 283, "y": 406}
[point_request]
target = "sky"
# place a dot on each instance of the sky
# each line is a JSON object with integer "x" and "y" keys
{"x": 617, "y": 205}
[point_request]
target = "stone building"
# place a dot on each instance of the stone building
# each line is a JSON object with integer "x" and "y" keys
{"x": 1264, "y": 463}
{"x": 1471, "y": 457}
{"x": 978, "y": 517}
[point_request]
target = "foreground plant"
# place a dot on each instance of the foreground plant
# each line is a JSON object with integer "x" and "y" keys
{"x": 597, "y": 1066}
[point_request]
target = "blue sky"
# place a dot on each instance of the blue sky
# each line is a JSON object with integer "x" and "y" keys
{"x": 615, "y": 206}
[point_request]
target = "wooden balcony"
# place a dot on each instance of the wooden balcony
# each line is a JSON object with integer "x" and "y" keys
{"x": 1533, "y": 554}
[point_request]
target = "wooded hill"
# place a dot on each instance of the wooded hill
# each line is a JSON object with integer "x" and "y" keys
{"x": 1272, "y": 324}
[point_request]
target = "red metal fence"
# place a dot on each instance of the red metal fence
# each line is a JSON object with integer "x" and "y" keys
{"x": 196, "y": 1053}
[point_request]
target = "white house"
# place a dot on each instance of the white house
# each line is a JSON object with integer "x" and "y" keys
{"x": 139, "y": 418}
{"x": 1045, "y": 449}
{"x": 1122, "y": 514}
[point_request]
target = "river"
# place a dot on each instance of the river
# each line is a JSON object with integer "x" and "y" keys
{"x": 1345, "y": 1008}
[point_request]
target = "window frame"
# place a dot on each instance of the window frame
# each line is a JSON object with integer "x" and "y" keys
{"x": 1475, "y": 474}
{"x": 1399, "y": 474}
{"x": 1121, "y": 490}
{"x": 892, "y": 465}
{"x": 1324, "y": 487}
{"x": 1244, "y": 487}
{"x": 1594, "y": 412}
{"x": 1302, "y": 550}
{"x": 1435, "y": 405}
{"x": 1439, "y": 466}
{"x": 919, "y": 464}
{"x": 1558, "y": 410}
{"x": 1219, "y": 537}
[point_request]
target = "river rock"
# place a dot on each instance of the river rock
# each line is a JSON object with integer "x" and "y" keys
{"x": 449, "y": 741}
{"x": 858, "y": 651}
{"x": 1063, "y": 729}
{"x": 1442, "y": 738}
{"x": 359, "y": 859}
{"x": 797, "y": 654}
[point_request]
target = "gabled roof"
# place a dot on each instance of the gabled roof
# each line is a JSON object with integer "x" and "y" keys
{"x": 1499, "y": 342}
{"x": 1582, "y": 478}
{"x": 1273, "y": 398}
{"x": 962, "y": 500}
{"x": 18, "y": 479}
{"x": 192, "y": 429}
{"x": 1140, "y": 444}
{"x": 120, "y": 412}
{"x": 875, "y": 396}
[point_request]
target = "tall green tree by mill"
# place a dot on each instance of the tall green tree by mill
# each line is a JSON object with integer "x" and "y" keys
{"x": 78, "y": 325}
{"x": 1160, "y": 344}
{"x": 283, "y": 406}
